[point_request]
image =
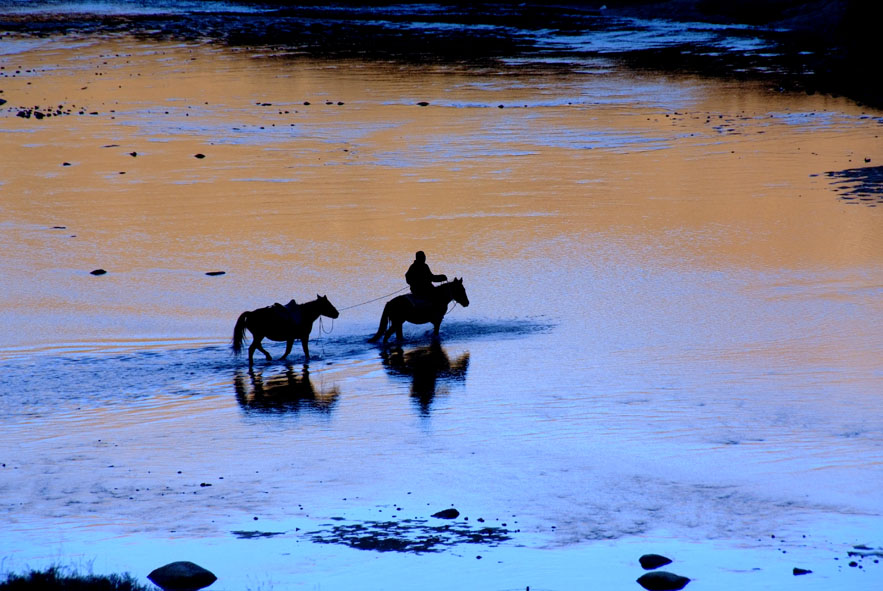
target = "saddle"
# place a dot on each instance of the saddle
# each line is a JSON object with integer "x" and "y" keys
{"x": 288, "y": 314}
{"x": 419, "y": 301}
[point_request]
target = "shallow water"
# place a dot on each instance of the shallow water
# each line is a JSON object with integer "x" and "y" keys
{"x": 672, "y": 344}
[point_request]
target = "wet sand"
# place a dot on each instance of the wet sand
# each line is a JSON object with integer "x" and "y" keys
{"x": 673, "y": 343}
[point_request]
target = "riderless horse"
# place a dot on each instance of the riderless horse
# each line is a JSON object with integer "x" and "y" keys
{"x": 408, "y": 308}
{"x": 281, "y": 323}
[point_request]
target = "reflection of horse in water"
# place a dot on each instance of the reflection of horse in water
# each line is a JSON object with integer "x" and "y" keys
{"x": 286, "y": 392}
{"x": 407, "y": 308}
{"x": 426, "y": 366}
{"x": 281, "y": 323}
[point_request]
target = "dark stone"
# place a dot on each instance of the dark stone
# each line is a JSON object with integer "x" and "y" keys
{"x": 215, "y": 273}
{"x": 98, "y": 272}
{"x": 307, "y": 103}
{"x": 3, "y": 102}
{"x": 801, "y": 571}
{"x": 133, "y": 154}
{"x": 38, "y": 115}
{"x": 663, "y": 581}
{"x": 182, "y": 576}
{"x": 447, "y": 514}
{"x": 423, "y": 104}
{"x": 65, "y": 163}
{"x": 199, "y": 155}
{"x": 652, "y": 561}
{"x": 24, "y": 114}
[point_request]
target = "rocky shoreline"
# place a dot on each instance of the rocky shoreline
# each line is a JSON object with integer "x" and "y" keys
{"x": 817, "y": 46}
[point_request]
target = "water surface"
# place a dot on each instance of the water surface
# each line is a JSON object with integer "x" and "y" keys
{"x": 672, "y": 344}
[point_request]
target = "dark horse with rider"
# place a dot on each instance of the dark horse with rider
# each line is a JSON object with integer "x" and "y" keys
{"x": 427, "y": 303}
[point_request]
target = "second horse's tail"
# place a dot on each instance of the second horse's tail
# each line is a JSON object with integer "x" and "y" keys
{"x": 239, "y": 333}
{"x": 384, "y": 324}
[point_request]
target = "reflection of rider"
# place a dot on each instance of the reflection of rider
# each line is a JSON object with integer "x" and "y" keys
{"x": 420, "y": 278}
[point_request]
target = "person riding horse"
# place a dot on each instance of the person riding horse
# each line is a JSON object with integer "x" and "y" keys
{"x": 420, "y": 278}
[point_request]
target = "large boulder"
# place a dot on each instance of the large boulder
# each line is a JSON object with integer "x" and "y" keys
{"x": 653, "y": 561}
{"x": 447, "y": 514}
{"x": 661, "y": 580}
{"x": 182, "y": 576}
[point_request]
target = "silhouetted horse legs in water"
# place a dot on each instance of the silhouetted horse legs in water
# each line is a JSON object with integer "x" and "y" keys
{"x": 281, "y": 323}
{"x": 402, "y": 309}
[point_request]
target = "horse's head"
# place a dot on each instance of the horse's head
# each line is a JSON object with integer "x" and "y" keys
{"x": 459, "y": 292}
{"x": 326, "y": 308}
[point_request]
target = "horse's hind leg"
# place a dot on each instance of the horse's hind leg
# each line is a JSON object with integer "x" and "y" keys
{"x": 256, "y": 344}
{"x": 390, "y": 330}
{"x": 398, "y": 330}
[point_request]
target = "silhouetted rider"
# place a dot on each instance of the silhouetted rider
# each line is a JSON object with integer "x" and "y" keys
{"x": 420, "y": 278}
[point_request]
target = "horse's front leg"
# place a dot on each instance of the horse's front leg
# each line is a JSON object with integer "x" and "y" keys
{"x": 288, "y": 345}
{"x": 305, "y": 341}
{"x": 435, "y": 326}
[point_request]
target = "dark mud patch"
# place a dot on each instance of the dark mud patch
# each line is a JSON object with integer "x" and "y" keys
{"x": 253, "y": 535}
{"x": 410, "y": 535}
{"x": 859, "y": 185}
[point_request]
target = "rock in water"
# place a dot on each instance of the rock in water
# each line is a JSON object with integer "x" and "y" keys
{"x": 447, "y": 514}
{"x": 663, "y": 581}
{"x": 98, "y": 272}
{"x": 652, "y": 561}
{"x": 801, "y": 571}
{"x": 182, "y": 576}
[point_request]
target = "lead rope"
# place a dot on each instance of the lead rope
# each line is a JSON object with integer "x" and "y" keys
{"x": 322, "y": 330}
{"x": 375, "y": 299}
{"x": 322, "y": 327}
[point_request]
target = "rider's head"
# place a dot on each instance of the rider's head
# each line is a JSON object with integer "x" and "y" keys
{"x": 420, "y": 256}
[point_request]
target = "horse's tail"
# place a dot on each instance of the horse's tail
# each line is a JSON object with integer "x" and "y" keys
{"x": 384, "y": 324}
{"x": 239, "y": 333}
